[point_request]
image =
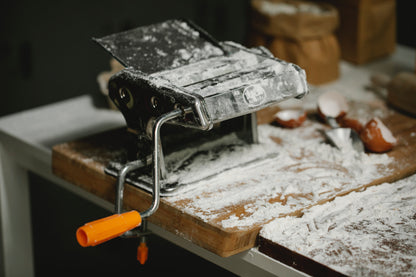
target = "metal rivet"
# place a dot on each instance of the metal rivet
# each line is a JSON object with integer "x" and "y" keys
{"x": 122, "y": 92}
{"x": 126, "y": 97}
{"x": 154, "y": 101}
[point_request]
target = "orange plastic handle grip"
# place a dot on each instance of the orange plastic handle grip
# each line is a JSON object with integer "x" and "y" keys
{"x": 102, "y": 230}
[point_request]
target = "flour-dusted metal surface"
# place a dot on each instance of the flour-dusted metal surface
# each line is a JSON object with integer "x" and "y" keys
{"x": 161, "y": 46}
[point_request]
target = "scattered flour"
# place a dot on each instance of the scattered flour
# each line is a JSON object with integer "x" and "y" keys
{"x": 304, "y": 172}
{"x": 370, "y": 233}
{"x": 207, "y": 68}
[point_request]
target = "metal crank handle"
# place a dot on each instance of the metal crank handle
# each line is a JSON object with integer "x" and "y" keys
{"x": 102, "y": 230}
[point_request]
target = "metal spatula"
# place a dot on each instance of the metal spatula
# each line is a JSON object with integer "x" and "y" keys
{"x": 343, "y": 138}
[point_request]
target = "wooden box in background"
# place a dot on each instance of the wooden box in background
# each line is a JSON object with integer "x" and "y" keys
{"x": 367, "y": 29}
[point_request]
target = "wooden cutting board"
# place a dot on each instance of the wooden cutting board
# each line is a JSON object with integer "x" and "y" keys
{"x": 225, "y": 217}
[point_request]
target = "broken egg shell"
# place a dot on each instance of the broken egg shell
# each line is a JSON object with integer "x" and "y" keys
{"x": 377, "y": 137}
{"x": 332, "y": 104}
{"x": 347, "y": 122}
{"x": 290, "y": 118}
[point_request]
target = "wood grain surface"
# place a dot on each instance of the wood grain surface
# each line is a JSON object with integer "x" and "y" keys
{"x": 82, "y": 163}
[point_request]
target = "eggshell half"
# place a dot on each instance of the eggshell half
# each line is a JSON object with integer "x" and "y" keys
{"x": 377, "y": 137}
{"x": 290, "y": 118}
{"x": 332, "y": 104}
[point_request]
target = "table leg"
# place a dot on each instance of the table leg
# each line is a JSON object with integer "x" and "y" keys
{"x": 16, "y": 250}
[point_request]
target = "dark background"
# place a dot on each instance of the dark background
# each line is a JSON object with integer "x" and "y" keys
{"x": 46, "y": 55}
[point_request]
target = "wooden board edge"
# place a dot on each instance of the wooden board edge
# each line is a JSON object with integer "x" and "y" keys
{"x": 61, "y": 165}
